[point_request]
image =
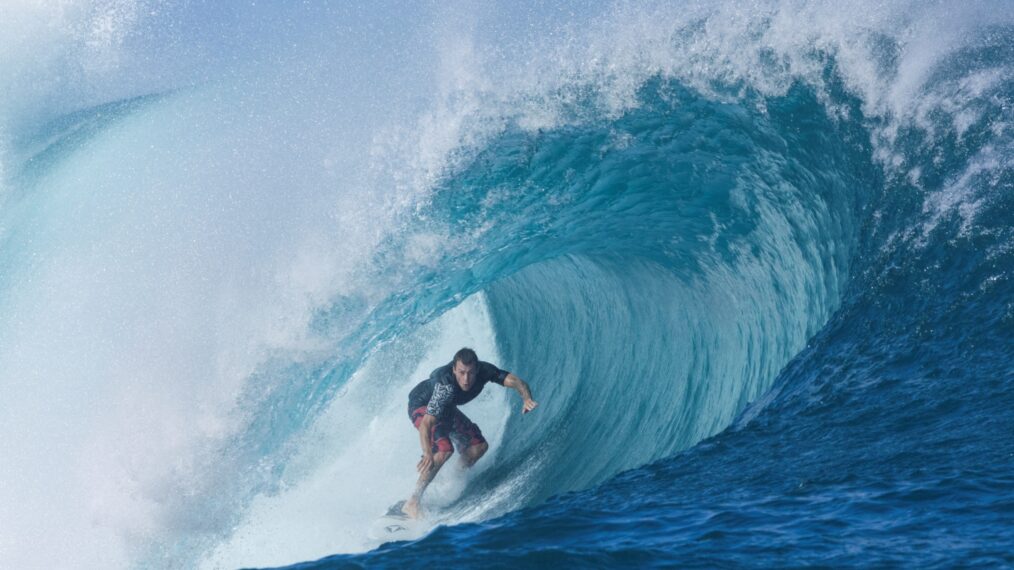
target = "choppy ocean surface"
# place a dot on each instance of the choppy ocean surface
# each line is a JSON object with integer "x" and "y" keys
{"x": 756, "y": 263}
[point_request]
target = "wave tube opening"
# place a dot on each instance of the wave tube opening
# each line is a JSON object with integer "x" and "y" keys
{"x": 647, "y": 289}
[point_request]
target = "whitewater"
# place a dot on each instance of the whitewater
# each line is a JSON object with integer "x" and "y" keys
{"x": 756, "y": 262}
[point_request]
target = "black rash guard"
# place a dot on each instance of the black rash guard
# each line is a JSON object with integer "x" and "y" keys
{"x": 440, "y": 392}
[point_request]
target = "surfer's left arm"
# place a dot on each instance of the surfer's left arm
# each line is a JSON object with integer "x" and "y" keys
{"x": 512, "y": 381}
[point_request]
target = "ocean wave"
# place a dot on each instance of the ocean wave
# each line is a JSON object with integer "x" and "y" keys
{"x": 781, "y": 230}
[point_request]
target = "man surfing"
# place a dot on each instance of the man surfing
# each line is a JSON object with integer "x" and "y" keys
{"x": 433, "y": 409}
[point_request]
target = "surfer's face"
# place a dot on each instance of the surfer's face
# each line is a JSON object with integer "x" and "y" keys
{"x": 465, "y": 374}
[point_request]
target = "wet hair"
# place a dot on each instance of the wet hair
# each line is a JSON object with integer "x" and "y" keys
{"x": 466, "y": 356}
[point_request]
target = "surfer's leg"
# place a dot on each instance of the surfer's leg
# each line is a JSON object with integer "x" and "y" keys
{"x": 468, "y": 439}
{"x": 411, "y": 506}
{"x": 442, "y": 450}
{"x": 473, "y": 453}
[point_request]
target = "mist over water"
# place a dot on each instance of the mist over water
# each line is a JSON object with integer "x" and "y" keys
{"x": 233, "y": 238}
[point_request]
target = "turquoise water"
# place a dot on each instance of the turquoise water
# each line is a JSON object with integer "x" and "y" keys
{"x": 754, "y": 262}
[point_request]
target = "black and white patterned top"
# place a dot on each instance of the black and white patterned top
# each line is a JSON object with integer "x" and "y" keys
{"x": 440, "y": 392}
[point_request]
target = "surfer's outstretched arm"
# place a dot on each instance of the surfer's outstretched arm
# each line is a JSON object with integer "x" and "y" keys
{"x": 512, "y": 381}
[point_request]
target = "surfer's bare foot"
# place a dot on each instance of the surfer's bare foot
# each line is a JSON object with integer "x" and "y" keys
{"x": 411, "y": 508}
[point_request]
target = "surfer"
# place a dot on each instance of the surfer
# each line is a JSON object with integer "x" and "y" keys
{"x": 433, "y": 409}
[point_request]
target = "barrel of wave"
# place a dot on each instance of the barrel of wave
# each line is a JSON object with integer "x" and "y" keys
{"x": 360, "y": 456}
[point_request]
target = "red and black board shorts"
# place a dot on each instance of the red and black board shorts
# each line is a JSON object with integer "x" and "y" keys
{"x": 454, "y": 425}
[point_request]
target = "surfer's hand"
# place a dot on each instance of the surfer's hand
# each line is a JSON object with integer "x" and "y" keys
{"x": 529, "y": 405}
{"x": 425, "y": 463}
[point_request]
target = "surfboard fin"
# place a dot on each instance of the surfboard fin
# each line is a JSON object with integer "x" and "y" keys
{"x": 396, "y": 510}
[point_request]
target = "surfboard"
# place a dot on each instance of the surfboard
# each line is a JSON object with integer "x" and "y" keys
{"x": 396, "y": 525}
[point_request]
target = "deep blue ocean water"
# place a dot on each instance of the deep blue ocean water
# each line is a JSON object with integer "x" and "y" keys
{"x": 755, "y": 263}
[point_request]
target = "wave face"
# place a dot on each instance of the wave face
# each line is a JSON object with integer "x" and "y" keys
{"x": 754, "y": 262}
